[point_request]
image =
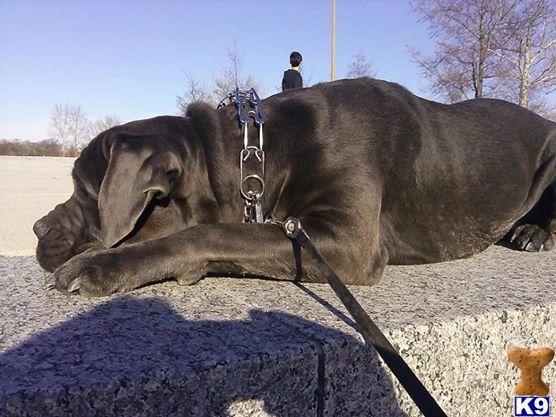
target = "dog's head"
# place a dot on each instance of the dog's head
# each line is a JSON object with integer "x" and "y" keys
{"x": 130, "y": 184}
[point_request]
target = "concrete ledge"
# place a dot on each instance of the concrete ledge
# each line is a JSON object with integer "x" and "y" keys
{"x": 229, "y": 347}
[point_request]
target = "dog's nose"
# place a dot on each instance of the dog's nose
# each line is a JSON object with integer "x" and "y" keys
{"x": 41, "y": 229}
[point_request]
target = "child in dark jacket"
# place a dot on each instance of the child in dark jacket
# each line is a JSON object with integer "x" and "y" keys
{"x": 292, "y": 77}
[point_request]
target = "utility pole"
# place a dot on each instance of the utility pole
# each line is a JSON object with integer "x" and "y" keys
{"x": 333, "y": 41}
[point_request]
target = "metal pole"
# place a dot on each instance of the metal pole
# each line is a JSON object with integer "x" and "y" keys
{"x": 333, "y": 41}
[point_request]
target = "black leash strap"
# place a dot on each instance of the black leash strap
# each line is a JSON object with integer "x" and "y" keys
{"x": 416, "y": 390}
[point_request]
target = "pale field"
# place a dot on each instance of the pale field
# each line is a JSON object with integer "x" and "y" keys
{"x": 30, "y": 186}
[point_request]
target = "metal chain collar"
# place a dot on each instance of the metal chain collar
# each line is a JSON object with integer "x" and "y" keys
{"x": 252, "y": 185}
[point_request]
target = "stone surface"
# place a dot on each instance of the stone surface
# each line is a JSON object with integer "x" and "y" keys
{"x": 230, "y": 347}
{"x": 257, "y": 347}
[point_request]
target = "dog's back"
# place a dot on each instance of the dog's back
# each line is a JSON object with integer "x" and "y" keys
{"x": 454, "y": 178}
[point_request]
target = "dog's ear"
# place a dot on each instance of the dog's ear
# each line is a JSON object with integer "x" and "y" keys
{"x": 135, "y": 176}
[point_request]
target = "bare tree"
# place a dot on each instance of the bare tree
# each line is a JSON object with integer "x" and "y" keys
{"x": 224, "y": 83}
{"x": 79, "y": 128}
{"x": 463, "y": 64}
{"x": 232, "y": 76}
{"x": 72, "y": 129}
{"x": 60, "y": 129}
{"x": 195, "y": 91}
{"x": 46, "y": 147}
{"x": 360, "y": 67}
{"x": 527, "y": 44}
{"x": 69, "y": 126}
{"x": 105, "y": 123}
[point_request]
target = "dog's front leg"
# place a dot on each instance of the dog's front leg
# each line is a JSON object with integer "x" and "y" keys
{"x": 188, "y": 255}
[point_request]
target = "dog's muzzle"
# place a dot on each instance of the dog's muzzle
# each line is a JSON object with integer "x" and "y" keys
{"x": 58, "y": 233}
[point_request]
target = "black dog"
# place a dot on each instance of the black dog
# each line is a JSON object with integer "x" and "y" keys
{"x": 376, "y": 174}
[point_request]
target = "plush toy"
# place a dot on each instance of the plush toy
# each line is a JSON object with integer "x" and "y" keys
{"x": 530, "y": 362}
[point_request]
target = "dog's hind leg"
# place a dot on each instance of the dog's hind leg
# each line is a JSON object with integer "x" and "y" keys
{"x": 536, "y": 231}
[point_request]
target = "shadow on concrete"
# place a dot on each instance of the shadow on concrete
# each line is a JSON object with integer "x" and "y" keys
{"x": 131, "y": 357}
{"x": 337, "y": 312}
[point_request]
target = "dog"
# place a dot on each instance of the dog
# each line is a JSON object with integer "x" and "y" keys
{"x": 376, "y": 175}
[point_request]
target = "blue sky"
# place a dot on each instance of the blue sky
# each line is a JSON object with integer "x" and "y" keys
{"x": 129, "y": 57}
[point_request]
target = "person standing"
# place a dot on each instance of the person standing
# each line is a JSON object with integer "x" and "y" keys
{"x": 292, "y": 77}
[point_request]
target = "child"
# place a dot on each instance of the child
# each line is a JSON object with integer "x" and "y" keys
{"x": 292, "y": 77}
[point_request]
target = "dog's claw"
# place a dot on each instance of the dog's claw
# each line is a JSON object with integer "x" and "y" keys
{"x": 49, "y": 283}
{"x": 74, "y": 285}
{"x": 530, "y": 247}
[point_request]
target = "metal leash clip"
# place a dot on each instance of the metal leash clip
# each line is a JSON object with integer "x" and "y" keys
{"x": 251, "y": 186}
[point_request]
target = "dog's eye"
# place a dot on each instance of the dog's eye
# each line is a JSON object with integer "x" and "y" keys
{"x": 172, "y": 173}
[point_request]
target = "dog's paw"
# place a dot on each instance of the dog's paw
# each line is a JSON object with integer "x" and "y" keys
{"x": 531, "y": 238}
{"x": 90, "y": 274}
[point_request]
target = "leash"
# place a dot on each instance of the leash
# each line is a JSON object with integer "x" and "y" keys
{"x": 367, "y": 327}
{"x": 249, "y": 106}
